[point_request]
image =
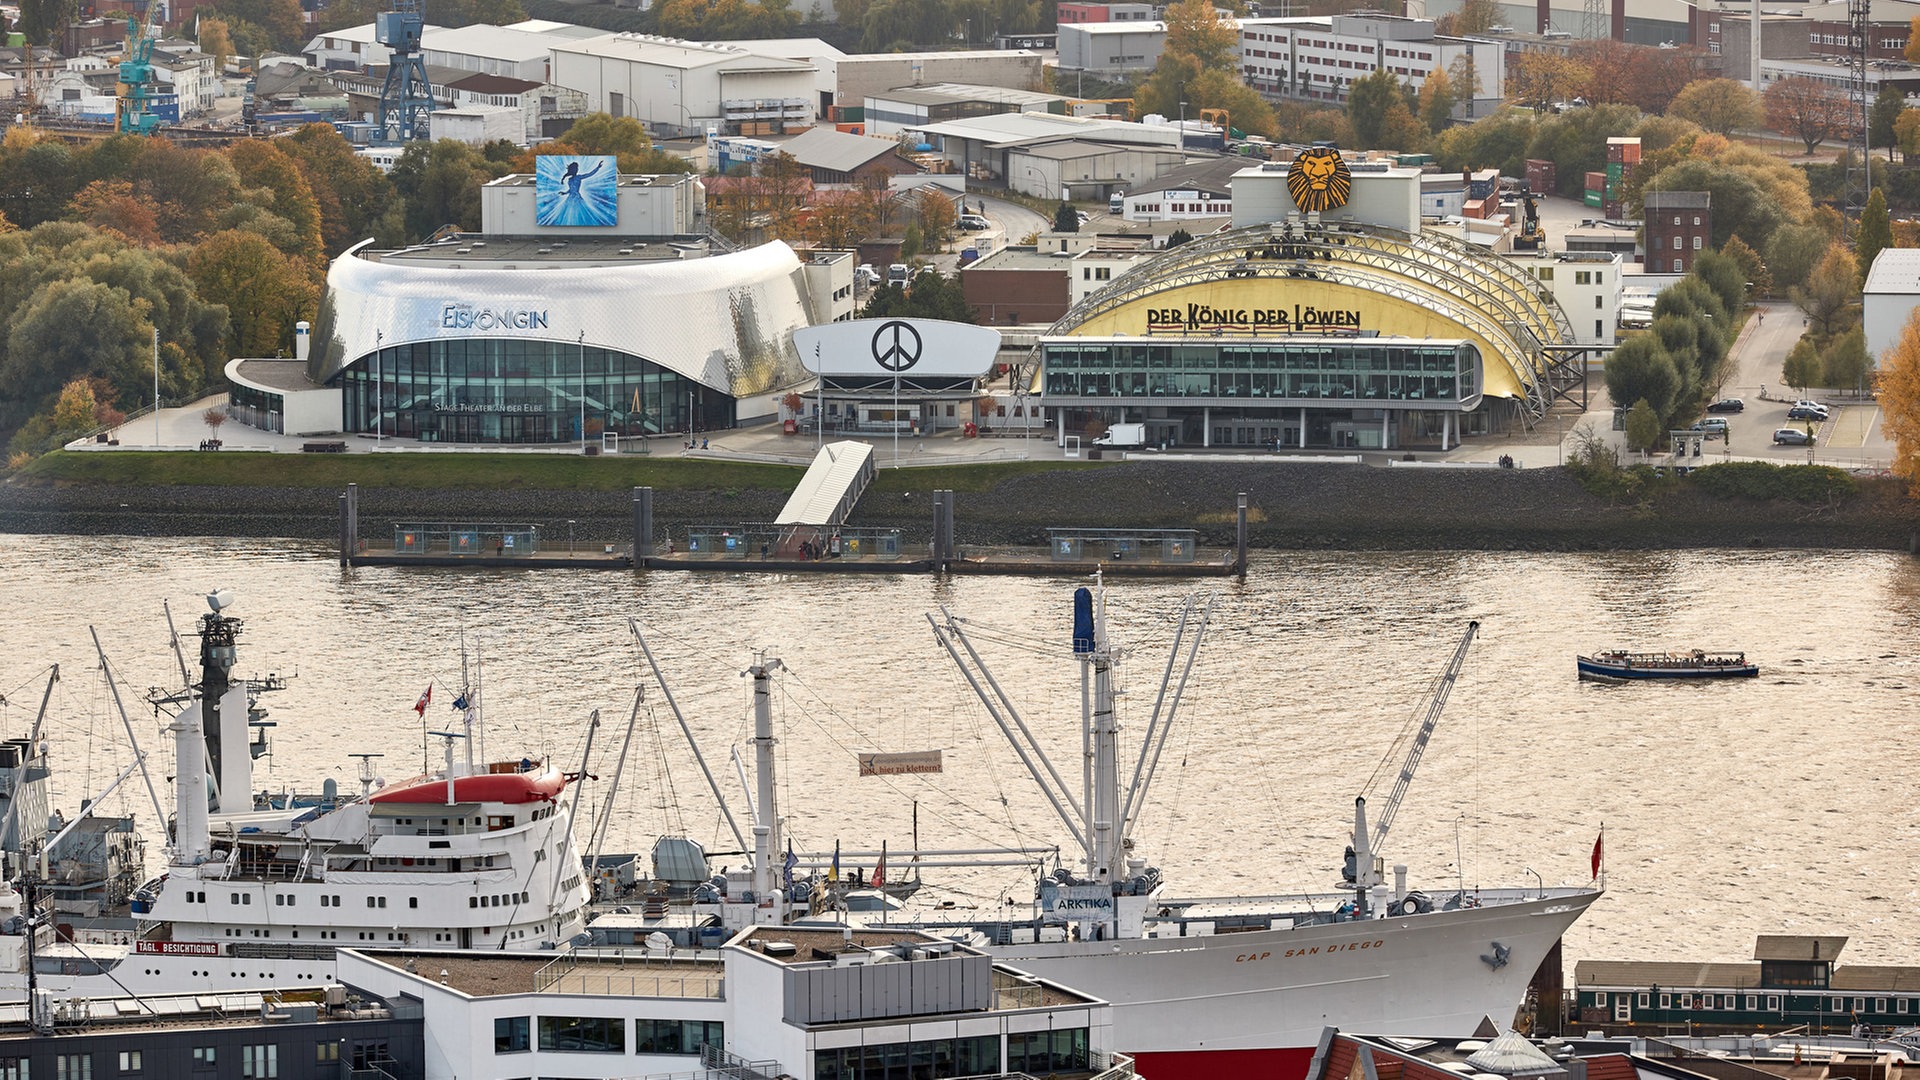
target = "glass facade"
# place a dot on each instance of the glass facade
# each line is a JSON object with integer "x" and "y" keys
{"x": 1280, "y": 372}
{"x": 256, "y": 408}
{"x": 929, "y": 1059}
{"x": 500, "y": 390}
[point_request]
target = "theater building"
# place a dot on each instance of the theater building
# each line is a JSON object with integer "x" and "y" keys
{"x": 588, "y": 308}
{"x": 1325, "y": 319}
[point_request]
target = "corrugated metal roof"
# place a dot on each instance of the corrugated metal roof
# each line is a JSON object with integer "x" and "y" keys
{"x": 1876, "y": 978}
{"x": 1799, "y": 947}
{"x": 1597, "y": 974}
{"x": 493, "y": 42}
{"x": 1895, "y": 270}
{"x": 836, "y": 151}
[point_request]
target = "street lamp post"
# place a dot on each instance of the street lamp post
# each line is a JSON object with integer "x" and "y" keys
{"x": 1183, "y": 125}
{"x": 379, "y": 339}
{"x": 569, "y": 538}
{"x": 583, "y": 391}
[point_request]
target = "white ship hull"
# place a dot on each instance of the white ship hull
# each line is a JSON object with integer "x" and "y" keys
{"x": 1255, "y": 1003}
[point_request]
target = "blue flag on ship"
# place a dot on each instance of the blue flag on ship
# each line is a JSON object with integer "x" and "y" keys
{"x": 786, "y": 867}
{"x": 460, "y": 703}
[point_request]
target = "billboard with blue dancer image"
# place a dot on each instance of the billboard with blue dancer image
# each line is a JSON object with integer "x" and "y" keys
{"x": 574, "y": 191}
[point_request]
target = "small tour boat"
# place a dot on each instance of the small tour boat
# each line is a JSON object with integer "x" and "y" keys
{"x": 1697, "y": 664}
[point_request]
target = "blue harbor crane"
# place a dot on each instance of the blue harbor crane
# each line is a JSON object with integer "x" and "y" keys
{"x": 135, "y": 114}
{"x": 406, "y": 99}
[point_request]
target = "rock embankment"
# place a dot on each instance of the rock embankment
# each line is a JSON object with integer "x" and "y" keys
{"x": 1296, "y": 505}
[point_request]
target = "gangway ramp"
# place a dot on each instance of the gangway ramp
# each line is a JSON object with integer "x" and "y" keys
{"x": 834, "y": 482}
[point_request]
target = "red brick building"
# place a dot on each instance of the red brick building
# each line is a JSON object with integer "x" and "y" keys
{"x": 1679, "y": 226}
{"x": 1017, "y": 285}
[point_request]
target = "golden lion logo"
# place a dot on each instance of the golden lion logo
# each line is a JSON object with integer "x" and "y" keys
{"x": 1319, "y": 180}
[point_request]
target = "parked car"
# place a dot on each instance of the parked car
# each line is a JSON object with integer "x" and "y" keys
{"x": 974, "y": 223}
{"x": 1792, "y": 436}
{"x": 1082, "y": 216}
{"x": 1812, "y": 406}
{"x": 866, "y": 276}
{"x": 1806, "y": 412}
{"x": 1732, "y": 404}
{"x": 1712, "y": 425}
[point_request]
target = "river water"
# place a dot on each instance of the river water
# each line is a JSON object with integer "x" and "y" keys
{"x": 1776, "y": 805}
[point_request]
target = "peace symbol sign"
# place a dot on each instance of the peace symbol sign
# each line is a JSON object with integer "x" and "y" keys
{"x": 896, "y": 345}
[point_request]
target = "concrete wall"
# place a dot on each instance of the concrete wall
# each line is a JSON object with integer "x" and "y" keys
{"x": 1885, "y": 316}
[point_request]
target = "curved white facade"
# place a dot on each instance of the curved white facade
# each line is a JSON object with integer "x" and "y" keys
{"x": 724, "y": 321}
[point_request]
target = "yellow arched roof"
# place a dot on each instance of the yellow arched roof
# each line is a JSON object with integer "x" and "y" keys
{"x": 1396, "y": 284}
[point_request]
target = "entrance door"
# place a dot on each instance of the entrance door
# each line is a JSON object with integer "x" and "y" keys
{"x": 1623, "y": 1008}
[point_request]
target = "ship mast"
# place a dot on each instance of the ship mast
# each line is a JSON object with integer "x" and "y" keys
{"x": 1101, "y": 731}
{"x": 766, "y": 815}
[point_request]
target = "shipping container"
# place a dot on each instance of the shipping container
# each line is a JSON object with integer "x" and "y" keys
{"x": 1596, "y": 181}
{"x": 1624, "y": 150}
{"x": 1592, "y": 199}
{"x": 1541, "y": 175}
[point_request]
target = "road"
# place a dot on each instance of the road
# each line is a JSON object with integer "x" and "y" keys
{"x": 1012, "y": 221}
{"x": 1850, "y": 436}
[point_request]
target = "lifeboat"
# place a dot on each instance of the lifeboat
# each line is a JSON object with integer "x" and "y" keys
{"x": 517, "y": 787}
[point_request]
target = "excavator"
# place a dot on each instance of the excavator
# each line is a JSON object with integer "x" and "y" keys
{"x": 1532, "y": 236}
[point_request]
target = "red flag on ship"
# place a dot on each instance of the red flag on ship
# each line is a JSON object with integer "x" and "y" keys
{"x": 1598, "y": 841}
{"x": 880, "y": 871}
{"x": 426, "y": 699}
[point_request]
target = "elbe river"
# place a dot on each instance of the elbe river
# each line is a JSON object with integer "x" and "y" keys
{"x": 1783, "y": 804}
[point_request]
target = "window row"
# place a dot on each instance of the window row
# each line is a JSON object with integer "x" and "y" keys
{"x": 605, "y": 1035}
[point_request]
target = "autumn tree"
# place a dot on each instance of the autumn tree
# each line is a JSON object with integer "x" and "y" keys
{"x": 1831, "y": 290}
{"x": 1377, "y": 108}
{"x": 214, "y": 418}
{"x": 1758, "y": 277}
{"x": 1539, "y": 79}
{"x": 1472, "y": 18}
{"x": 1643, "y": 427}
{"x": 272, "y": 181}
{"x": 215, "y": 42}
{"x": 281, "y": 20}
{"x": 1805, "y": 110}
{"x": 1801, "y": 369}
{"x": 1719, "y": 105}
{"x": 1876, "y": 232}
{"x": 1437, "y": 99}
{"x": 1197, "y": 66}
{"x": 1906, "y": 134}
{"x": 623, "y": 137}
{"x": 355, "y": 199}
{"x": 1897, "y": 386}
{"x": 1640, "y": 370}
{"x": 1844, "y": 363}
{"x": 1887, "y": 107}
{"x": 76, "y": 408}
{"x": 264, "y": 290}
{"x": 112, "y": 206}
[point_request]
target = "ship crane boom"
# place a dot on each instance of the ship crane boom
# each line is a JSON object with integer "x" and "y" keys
{"x": 1436, "y": 703}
